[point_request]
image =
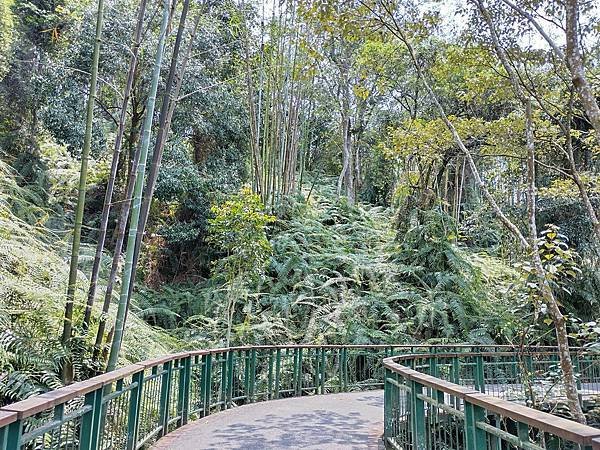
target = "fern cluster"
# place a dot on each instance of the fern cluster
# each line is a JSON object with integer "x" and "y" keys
{"x": 33, "y": 278}
{"x": 343, "y": 274}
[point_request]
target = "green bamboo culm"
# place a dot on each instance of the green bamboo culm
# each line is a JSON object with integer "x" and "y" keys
{"x": 137, "y": 196}
{"x": 85, "y": 154}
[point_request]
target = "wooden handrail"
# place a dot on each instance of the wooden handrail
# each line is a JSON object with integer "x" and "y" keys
{"x": 557, "y": 426}
{"x": 132, "y": 380}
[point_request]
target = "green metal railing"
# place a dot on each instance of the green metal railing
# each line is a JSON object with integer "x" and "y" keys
{"x": 481, "y": 401}
{"x": 445, "y": 397}
{"x": 134, "y": 406}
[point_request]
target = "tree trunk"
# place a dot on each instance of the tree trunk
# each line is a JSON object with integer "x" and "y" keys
{"x": 575, "y": 63}
{"x": 569, "y": 381}
{"x": 562, "y": 339}
{"x": 120, "y": 239}
{"x": 137, "y": 194}
{"x": 68, "y": 319}
{"x": 166, "y": 115}
{"x": 114, "y": 166}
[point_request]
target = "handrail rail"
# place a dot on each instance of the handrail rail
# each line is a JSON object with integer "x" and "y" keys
{"x": 33, "y": 405}
{"x": 475, "y": 409}
{"x": 137, "y": 404}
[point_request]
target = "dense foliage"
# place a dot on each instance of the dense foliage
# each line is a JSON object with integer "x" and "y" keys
{"x": 319, "y": 172}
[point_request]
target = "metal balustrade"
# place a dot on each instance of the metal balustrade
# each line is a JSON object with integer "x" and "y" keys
{"x": 134, "y": 406}
{"x": 436, "y": 403}
{"x": 481, "y": 401}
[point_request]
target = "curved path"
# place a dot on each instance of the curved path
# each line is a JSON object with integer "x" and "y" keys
{"x": 333, "y": 421}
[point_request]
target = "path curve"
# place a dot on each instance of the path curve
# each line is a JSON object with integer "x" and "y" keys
{"x": 334, "y": 421}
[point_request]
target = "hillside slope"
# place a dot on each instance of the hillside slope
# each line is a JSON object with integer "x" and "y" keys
{"x": 33, "y": 276}
{"x": 341, "y": 274}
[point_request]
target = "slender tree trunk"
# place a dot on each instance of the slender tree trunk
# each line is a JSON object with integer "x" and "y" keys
{"x": 560, "y": 326}
{"x": 137, "y": 194}
{"x": 68, "y": 320}
{"x": 461, "y": 188}
{"x": 569, "y": 381}
{"x": 120, "y": 239}
{"x": 575, "y": 63}
{"x": 170, "y": 99}
{"x": 254, "y": 115}
{"x": 114, "y": 165}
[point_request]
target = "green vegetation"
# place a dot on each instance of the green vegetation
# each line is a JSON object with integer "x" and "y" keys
{"x": 318, "y": 172}
{"x": 34, "y": 280}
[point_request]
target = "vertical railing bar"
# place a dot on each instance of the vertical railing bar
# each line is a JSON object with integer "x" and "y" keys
{"x": 277, "y": 371}
{"x": 206, "y": 383}
{"x": 135, "y": 403}
{"x": 165, "y": 396}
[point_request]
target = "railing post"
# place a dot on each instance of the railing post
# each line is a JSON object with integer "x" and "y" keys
{"x": 14, "y": 432}
{"x": 479, "y": 374}
{"x": 418, "y": 417}
{"x": 344, "y": 369}
{"x": 3, "y": 436}
{"x": 230, "y": 367}
{"x": 323, "y": 368}
{"x": 270, "y": 376}
{"x": 316, "y": 368}
{"x": 247, "y": 375}
{"x": 224, "y": 364}
{"x": 277, "y": 371}
{"x": 523, "y": 431}
{"x": 387, "y": 405}
{"x": 295, "y": 372}
{"x": 252, "y": 373}
{"x": 90, "y": 421}
{"x": 299, "y": 374}
{"x": 475, "y": 437}
{"x": 183, "y": 397}
{"x": 206, "y": 386}
{"x": 456, "y": 369}
{"x": 135, "y": 402}
{"x": 433, "y": 360}
{"x": 165, "y": 396}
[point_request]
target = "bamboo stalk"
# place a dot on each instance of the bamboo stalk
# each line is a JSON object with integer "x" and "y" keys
{"x": 114, "y": 166}
{"x": 68, "y": 318}
{"x": 137, "y": 194}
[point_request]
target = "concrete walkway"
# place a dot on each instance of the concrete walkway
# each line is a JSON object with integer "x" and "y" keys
{"x": 334, "y": 421}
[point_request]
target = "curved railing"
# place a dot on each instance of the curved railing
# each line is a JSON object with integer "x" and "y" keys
{"x": 132, "y": 407}
{"x": 479, "y": 401}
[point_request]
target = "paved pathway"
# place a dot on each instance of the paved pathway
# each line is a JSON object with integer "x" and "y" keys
{"x": 335, "y": 421}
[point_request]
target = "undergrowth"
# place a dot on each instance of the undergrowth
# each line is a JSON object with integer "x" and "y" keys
{"x": 33, "y": 277}
{"x": 342, "y": 274}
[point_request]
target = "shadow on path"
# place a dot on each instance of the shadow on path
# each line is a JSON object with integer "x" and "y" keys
{"x": 334, "y": 421}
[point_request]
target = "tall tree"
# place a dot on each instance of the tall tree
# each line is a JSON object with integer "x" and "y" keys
{"x": 170, "y": 99}
{"x": 73, "y": 267}
{"x": 570, "y": 382}
{"x": 274, "y": 102}
{"x": 137, "y": 192}
{"x": 133, "y": 61}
